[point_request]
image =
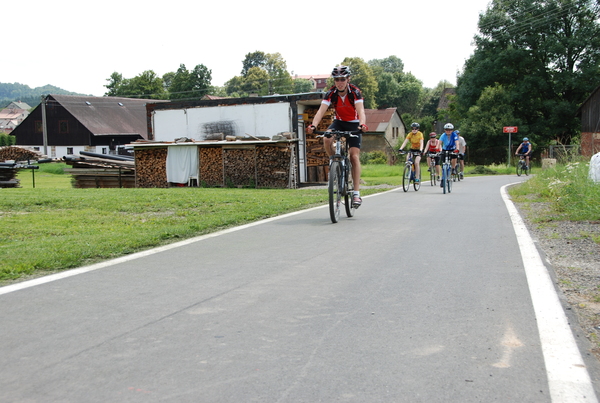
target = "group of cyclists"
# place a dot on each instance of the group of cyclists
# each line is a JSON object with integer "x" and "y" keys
{"x": 348, "y": 104}
{"x": 450, "y": 142}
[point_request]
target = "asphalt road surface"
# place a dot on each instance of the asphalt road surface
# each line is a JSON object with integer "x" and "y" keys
{"x": 421, "y": 297}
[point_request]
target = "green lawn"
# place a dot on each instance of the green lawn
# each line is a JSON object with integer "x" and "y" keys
{"x": 54, "y": 227}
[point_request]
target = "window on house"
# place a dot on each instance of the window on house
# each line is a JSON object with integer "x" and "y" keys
{"x": 103, "y": 150}
{"x": 69, "y": 150}
{"x": 63, "y": 127}
{"x": 38, "y": 126}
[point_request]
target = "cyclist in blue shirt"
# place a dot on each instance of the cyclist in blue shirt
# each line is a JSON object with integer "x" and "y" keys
{"x": 525, "y": 149}
{"x": 450, "y": 143}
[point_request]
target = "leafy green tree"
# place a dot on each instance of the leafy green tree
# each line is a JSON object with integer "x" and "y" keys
{"x": 256, "y": 81}
{"x": 545, "y": 53}
{"x": 145, "y": 85}
{"x": 364, "y": 78}
{"x": 302, "y": 85}
{"x": 190, "y": 84}
{"x": 254, "y": 59}
{"x": 391, "y": 64}
{"x": 233, "y": 87}
{"x": 115, "y": 81}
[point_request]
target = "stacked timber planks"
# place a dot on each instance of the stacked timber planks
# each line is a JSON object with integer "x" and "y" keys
{"x": 101, "y": 171}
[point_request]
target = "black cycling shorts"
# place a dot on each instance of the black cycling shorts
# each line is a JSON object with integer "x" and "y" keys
{"x": 348, "y": 127}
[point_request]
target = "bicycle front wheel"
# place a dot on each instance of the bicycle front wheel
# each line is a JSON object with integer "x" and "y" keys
{"x": 519, "y": 168}
{"x": 349, "y": 193}
{"x": 444, "y": 183}
{"x": 406, "y": 178}
{"x": 335, "y": 191}
{"x": 417, "y": 182}
{"x": 433, "y": 176}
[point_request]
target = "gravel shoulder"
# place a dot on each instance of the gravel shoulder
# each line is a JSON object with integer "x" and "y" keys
{"x": 574, "y": 258}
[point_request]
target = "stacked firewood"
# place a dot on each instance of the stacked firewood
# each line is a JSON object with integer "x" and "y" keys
{"x": 211, "y": 166}
{"x": 274, "y": 166}
{"x": 151, "y": 168}
{"x": 317, "y": 161}
{"x": 239, "y": 166}
{"x": 18, "y": 154}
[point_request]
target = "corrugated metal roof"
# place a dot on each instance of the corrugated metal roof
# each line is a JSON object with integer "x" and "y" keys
{"x": 104, "y": 116}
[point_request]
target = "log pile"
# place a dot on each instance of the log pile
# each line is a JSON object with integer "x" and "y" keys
{"x": 211, "y": 166}
{"x": 275, "y": 166}
{"x": 270, "y": 165}
{"x": 8, "y": 173}
{"x": 101, "y": 171}
{"x": 151, "y": 168}
{"x": 239, "y": 166}
{"x": 317, "y": 161}
{"x": 9, "y": 153}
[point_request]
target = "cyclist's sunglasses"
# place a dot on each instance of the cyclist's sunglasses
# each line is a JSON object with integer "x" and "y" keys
{"x": 340, "y": 79}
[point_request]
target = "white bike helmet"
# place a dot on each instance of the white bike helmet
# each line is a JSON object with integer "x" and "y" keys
{"x": 448, "y": 126}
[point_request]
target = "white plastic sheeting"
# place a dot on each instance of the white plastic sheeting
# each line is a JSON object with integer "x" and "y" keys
{"x": 182, "y": 162}
{"x": 595, "y": 168}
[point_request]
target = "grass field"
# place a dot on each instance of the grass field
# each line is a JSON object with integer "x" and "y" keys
{"x": 54, "y": 227}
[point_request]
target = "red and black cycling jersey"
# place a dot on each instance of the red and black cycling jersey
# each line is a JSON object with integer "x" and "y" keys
{"x": 344, "y": 106}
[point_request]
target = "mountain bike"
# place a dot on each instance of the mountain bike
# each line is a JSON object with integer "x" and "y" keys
{"x": 340, "y": 167}
{"x": 455, "y": 174}
{"x": 432, "y": 157}
{"x": 522, "y": 166}
{"x": 410, "y": 172}
{"x": 446, "y": 172}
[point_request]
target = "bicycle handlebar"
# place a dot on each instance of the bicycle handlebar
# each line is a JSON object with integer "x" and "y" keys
{"x": 338, "y": 133}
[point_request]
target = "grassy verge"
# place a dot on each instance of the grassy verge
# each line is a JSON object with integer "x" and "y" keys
{"x": 54, "y": 227}
{"x": 568, "y": 191}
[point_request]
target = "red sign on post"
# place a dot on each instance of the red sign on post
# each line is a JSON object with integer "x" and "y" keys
{"x": 510, "y": 129}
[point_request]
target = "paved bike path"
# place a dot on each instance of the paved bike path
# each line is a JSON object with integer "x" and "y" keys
{"x": 420, "y": 297}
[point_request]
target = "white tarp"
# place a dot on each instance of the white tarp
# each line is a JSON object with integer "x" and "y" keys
{"x": 182, "y": 162}
{"x": 595, "y": 168}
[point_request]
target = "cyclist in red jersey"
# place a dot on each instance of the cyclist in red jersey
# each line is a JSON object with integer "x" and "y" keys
{"x": 349, "y": 107}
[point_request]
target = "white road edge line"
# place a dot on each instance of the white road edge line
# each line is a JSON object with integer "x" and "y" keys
{"x": 568, "y": 378}
{"x": 73, "y": 272}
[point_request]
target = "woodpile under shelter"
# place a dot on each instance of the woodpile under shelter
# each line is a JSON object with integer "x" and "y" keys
{"x": 254, "y": 142}
{"x": 589, "y": 112}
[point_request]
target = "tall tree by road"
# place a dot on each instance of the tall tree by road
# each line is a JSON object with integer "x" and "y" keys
{"x": 542, "y": 57}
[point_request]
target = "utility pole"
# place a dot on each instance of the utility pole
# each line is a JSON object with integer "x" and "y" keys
{"x": 44, "y": 128}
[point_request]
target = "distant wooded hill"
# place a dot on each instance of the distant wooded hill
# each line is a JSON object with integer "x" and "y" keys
{"x": 24, "y": 93}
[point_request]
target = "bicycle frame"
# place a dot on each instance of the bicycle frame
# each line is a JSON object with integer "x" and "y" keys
{"x": 432, "y": 169}
{"x": 446, "y": 172}
{"x": 340, "y": 169}
{"x": 522, "y": 166}
{"x": 409, "y": 174}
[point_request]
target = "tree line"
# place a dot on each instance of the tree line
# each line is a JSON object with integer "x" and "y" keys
{"x": 534, "y": 64}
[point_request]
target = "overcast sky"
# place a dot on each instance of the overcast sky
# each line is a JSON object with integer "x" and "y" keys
{"x": 77, "y": 45}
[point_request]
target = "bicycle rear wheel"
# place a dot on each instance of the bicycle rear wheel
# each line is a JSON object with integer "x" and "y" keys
{"x": 417, "y": 184}
{"x": 406, "y": 178}
{"x": 335, "y": 193}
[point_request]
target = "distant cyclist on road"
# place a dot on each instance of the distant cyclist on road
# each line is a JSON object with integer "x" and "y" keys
{"x": 525, "y": 149}
{"x": 416, "y": 147}
{"x": 450, "y": 143}
{"x": 433, "y": 146}
{"x": 348, "y": 102}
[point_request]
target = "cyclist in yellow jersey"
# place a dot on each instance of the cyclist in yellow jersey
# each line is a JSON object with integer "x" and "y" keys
{"x": 416, "y": 146}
